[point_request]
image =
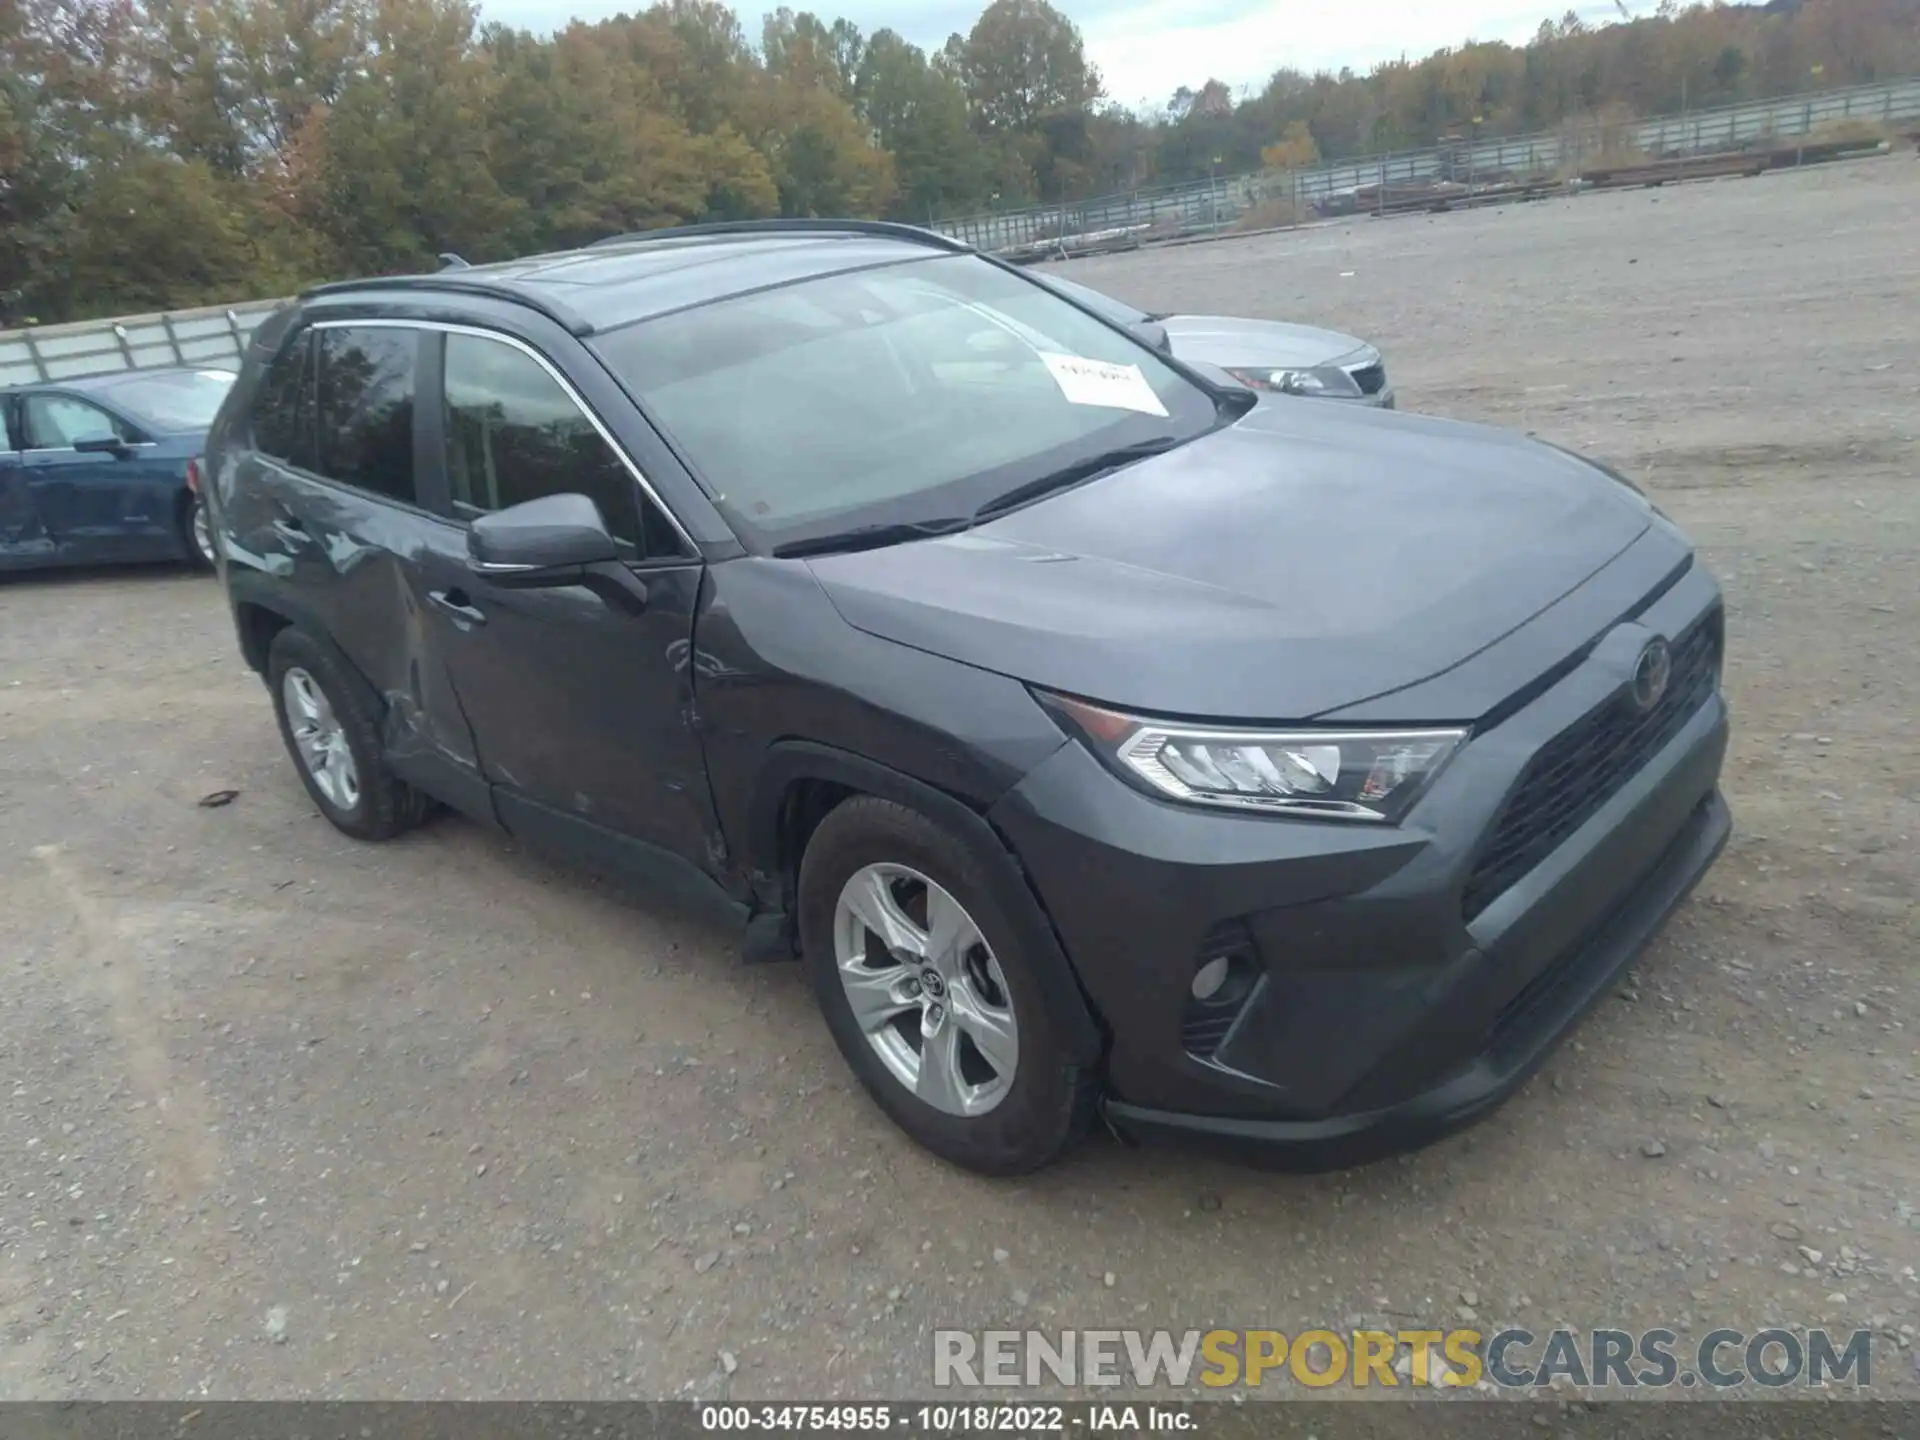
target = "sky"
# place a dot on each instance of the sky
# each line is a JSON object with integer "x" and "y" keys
{"x": 1147, "y": 49}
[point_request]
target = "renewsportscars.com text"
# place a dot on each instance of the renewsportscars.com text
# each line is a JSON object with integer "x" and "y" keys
{"x": 1511, "y": 1359}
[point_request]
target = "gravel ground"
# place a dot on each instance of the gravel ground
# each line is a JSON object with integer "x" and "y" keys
{"x": 292, "y": 1116}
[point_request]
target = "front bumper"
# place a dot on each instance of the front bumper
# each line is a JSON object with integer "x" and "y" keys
{"x": 1528, "y": 1033}
{"x": 1386, "y": 1011}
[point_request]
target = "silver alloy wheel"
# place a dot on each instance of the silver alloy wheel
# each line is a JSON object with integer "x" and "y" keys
{"x": 202, "y": 531}
{"x": 320, "y": 739}
{"x": 925, "y": 989}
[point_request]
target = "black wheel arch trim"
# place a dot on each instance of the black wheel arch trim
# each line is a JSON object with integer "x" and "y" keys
{"x": 789, "y": 761}
{"x": 262, "y": 593}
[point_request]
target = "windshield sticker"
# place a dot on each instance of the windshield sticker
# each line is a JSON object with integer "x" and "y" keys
{"x": 1096, "y": 382}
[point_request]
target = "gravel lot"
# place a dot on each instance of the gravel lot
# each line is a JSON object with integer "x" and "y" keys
{"x": 294, "y": 1116}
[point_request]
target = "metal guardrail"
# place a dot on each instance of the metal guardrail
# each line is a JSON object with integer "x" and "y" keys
{"x": 214, "y": 337}
{"x": 1214, "y": 204}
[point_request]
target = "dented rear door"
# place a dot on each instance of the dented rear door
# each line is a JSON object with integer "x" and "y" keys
{"x": 340, "y": 513}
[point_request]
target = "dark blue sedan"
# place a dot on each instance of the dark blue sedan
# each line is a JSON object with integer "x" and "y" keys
{"x": 104, "y": 469}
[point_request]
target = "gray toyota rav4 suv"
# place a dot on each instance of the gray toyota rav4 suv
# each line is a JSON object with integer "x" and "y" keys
{"x": 1100, "y": 736}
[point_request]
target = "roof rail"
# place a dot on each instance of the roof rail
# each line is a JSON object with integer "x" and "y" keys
{"x": 890, "y": 228}
{"x": 458, "y": 283}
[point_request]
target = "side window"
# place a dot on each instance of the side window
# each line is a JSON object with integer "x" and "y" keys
{"x": 364, "y": 408}
{"x": 59, "y": 422}
{"x": 513, "y": 434}
{"x": 282, "y": 415}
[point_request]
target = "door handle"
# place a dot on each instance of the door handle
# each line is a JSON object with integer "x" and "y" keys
{"x": 455, "y": 603}
{"x": 290, "y": 530}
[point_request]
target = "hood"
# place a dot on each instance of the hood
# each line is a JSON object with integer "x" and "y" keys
{"x": 1223, "y": 340}
{"x": 1301, "y": 560}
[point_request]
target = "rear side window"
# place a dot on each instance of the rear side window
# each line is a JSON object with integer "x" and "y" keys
{"x": 514, "y": 434}
{"x": 364, "y": 408}
{"x": 282, "y": 415}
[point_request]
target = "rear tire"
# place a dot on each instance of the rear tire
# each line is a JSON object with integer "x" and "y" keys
{"x": 954, "y": 1036}
{"x": 196, "y": 533}
{"x": 329, "y": 728}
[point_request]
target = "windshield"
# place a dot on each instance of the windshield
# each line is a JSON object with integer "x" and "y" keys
{"x": 175, "y": 400}
{"x": 905, "y": 393}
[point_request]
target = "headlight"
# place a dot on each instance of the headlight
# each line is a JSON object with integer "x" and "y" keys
{"x": 1334, "y": 774}
{"x": 1329, "y": 381}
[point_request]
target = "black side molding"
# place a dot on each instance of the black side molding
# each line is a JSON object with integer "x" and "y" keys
{"x": 661, "y": 871}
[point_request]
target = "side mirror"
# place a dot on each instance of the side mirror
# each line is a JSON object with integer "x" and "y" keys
{"x": 545, "y": 542}
{"x": 103, "y": 445}
{"x": 1155, "y": 334}
{"x": 1225, "y": 379}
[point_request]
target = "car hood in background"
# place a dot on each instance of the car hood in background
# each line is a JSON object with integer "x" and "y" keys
{"x": 1223, "y": 340}
{"x": 1301, "y": 560}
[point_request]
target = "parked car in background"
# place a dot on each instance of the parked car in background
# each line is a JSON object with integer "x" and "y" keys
{"x": 103, "y": 469}
{"x": 1269, "y": 355}
{"x": 1286, "y": 774}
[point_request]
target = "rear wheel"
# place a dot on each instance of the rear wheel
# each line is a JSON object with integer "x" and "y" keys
{"x": 196, "y": 533}
{"x": 919, "y": 972}
{"x": 330, "y": 731}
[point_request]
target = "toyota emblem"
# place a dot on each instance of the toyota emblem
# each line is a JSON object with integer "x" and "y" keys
{"x": 1651, "y": 672}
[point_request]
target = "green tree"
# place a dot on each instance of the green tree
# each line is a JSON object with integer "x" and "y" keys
{"x": 918, "y": 114}
{"x": 821, "y": 156}
{"x": 154, "y": 231}
{"x": 401, "y": 171}
{"x": 582, "y": 140}
{"x": 1023, "y": 60}
{"x": 805, "y": 49}
{"x": 66, "y": 78}
{"x": 234, "y": 82}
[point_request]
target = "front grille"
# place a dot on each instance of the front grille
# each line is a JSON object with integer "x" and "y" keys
{"x": 1580, "y": 769}
{"x": 1371, "y": 379}
{"x": 1578, "y": 961}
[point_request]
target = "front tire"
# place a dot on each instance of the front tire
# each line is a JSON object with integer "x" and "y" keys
{"x": 330, "y": 730}
{"x": 918, "y": 970}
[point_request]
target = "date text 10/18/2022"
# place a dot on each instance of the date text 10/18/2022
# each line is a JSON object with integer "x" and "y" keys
{"x": 911, "y": 1419}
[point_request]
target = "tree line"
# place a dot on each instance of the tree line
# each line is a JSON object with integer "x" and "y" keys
{"x": 163, "y": 153}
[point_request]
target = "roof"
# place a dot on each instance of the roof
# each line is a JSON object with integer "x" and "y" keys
{"x": 104, "y": 383}
{"x": 627, "y": 278}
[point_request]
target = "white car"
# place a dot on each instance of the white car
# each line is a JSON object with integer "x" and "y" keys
{"x": 1262, "y": 354}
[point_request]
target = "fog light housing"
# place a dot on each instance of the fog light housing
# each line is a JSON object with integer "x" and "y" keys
{"x": 1211, "y": 978}
{"x": 1224, "y": 979}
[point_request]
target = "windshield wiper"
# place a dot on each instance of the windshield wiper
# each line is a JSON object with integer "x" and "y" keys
{"x": 1079, "y": 470}
{"x": 898, "y": 532}
{"x": 871, "y": 537}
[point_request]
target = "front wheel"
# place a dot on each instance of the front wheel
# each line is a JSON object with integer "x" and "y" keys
{"x": 925, "y": 988}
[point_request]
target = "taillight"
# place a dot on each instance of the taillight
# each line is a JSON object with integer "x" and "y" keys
{"x": 193, "y": 476}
